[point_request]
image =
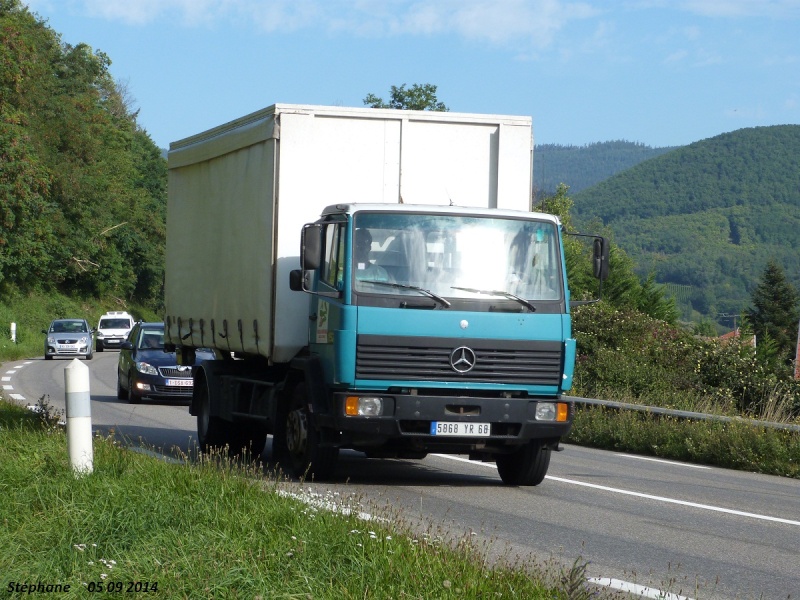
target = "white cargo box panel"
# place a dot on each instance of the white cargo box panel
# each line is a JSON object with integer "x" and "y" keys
{"x": 239, "y": 195}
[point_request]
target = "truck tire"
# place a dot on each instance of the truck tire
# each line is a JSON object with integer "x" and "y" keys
{"x": 309, "y": 459}
{"x": 211, "y": 431}
{"x": 526, "y": 466}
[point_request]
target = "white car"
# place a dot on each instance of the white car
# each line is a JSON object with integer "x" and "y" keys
{"x": 113, "y": 329}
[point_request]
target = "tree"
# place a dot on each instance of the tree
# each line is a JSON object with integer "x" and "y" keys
{"x": 419, "y": 97}
{"x": 775, "y": 313}
{"x": 623, "y": 288}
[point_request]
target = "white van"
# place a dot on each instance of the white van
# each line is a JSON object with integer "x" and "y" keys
{"x": 112, "y": 330}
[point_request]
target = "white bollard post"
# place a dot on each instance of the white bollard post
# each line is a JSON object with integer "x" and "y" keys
{"x": 79, "y": 417}
{"x": 14, "y": 332}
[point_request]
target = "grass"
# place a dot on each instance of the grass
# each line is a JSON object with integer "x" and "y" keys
{"x": 32, "y": 312}
{"x": 212, "y": 528}
{"x": 732, "y": 445}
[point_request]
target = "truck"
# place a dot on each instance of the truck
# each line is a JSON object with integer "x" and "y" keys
{"x": 373, "y": 280}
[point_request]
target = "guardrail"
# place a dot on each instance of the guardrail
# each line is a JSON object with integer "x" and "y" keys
{"x": 681, "y": 414}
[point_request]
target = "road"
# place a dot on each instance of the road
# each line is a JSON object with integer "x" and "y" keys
{"x": 689, "y": 530}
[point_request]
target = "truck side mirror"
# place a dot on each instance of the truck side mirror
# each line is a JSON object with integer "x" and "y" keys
{"x": 600, "y": 258}
{"x": 311, "y": 247}
{"x": 296, "y": 280}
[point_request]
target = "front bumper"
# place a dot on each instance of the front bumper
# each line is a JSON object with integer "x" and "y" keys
{"x": 161, "y": 388}
{"x": 407, "y": 420}
{"x": 57, "y": 350}
{"x": 110, "y": 342}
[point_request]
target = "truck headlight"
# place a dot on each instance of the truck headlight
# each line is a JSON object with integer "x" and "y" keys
{"x": 552, "y": 411}
{"x": 363, "y": 406}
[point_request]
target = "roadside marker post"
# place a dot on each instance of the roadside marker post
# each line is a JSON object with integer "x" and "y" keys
{"x": 79, "y": 417}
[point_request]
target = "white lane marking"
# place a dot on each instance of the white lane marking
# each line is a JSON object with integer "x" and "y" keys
{"x": 632, "y": 588}
{"x": 729, "y": 511}
{"x": 666, "y": 462}
{"x": 11, "y": 372}
{"x": 17, "y": 396}
{"x": 6, "y": 379}
{"x": 8, "y": 387}
{"x": 605, "y": 488}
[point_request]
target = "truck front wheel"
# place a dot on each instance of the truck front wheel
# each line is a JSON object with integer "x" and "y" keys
{"x": 308, "y": 457}
{"x": 526, "y": 466}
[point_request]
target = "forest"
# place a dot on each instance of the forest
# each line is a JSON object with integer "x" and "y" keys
{"x": 705, "y": 219}
{"x": 581, "y": 167}
{"x": 82, "y": 185}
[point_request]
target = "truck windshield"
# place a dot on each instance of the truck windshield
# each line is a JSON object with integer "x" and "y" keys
{"x": 455, "y": 256}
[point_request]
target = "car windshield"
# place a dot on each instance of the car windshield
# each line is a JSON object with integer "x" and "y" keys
{"x": 68, "y": 327}
{"x": 151, "y": 339}
{"x": 115, "y": 324}
{"x": 454, "y": 256}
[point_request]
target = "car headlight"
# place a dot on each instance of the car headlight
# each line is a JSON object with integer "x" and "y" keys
{"x": 84, "y": 340}
{"x": 51, "y": 339}
{"x": 99, "y": 334}
{"x": 146, "y": 368}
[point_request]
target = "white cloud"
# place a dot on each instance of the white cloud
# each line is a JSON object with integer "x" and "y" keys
{"x": 500, "y": 22}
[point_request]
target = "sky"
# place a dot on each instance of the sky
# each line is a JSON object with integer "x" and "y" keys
{"x": 655, "y": 72}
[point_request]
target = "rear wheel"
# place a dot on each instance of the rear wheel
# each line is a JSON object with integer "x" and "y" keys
{"x": 211, "y": 431}
{"x": 526, "y": 466}
{"x": 48, "y": 357}
{"x": 309, "y": 458}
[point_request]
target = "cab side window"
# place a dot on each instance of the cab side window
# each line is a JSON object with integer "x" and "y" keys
{"x": 332, "y": 272}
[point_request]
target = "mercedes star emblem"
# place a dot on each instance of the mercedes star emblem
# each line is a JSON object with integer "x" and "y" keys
{"x": 462, "y": 359}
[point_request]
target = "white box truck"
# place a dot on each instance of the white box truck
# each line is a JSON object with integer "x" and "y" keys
{"x": 370, "y": 279}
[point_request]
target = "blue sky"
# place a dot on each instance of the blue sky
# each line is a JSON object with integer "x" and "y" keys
{"x": 658, "y": 72}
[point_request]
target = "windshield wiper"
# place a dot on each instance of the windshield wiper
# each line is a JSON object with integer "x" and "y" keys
{"x": 404, "y": 286}
{"x": 502, "y": 293}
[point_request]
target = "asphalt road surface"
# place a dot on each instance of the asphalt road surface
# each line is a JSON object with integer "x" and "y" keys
{"x": 648, "y": 526}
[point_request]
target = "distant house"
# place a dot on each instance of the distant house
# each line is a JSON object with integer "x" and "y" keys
{"x": 737, "y": 333}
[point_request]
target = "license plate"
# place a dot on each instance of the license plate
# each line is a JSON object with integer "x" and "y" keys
{"x": 460, "y": 429}
{"x": 179, "y": 382}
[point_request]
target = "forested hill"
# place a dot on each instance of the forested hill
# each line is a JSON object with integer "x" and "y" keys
{"x": 82, "y": 186}
{"x": 706, "y": 218}
{"x": 581, "y": 167}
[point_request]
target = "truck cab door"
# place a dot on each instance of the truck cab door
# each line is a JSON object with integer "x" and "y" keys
{"x": 326, "y": 307}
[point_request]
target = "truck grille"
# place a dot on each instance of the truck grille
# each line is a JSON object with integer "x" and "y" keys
{"x": 428, "y": 359}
